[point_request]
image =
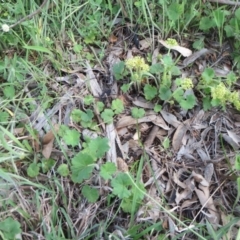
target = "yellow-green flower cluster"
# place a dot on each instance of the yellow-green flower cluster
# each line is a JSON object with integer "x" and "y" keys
{"x": 224, "y": 95}
{"x": 220, "y": 93}
{"x": 137, "y": 63}
{"x": 171, "y": 42}
{"x": 234, "y": 99}
{"x": 186, "y": 83}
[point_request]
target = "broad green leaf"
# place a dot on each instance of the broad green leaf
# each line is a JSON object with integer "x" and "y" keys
{"x": 107, "y": 115}
{"x": 76, "y": 115}
{"x": 98, "y": 147}
{"x": 88, "y": 100}
{"x": 70, "y": 136}
{"x": 175, "y": 71}
{"x": 87, "y": 116}
{"x": 91, "y": 194}
{"x": 33, "y": 170}
{"x": 10, "y": 228}
{"x": 9, "y": 91}
{"x": 237, "y": 13}
{"x": 189, "y": 102}
{"x": 206, "y": 103}
{"x": 63, "y": 170}
{"x": 208, "y": 74}
{"x": 120, "y": 185}
{"x": 117, "y": 106}
{"x": 165, "y": 93}
{"x": 107, "y": 170}
{"x": 157, "y": 108}
{"x": 137, "y": 112}
{"x": 150, "y": 92}
{"x": 118, "y": 69}
{"x": 82, "y": 166}
{"x": 47, "y": 164}
{"x": 156, "y": 68}
{"x": 4, "y": 117}
{"x": 125, "y": 87}
{"x": 206, "y": 23}
{"x": 174, "y": 11}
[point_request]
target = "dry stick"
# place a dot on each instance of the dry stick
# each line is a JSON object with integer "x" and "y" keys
{"x": 30, "y": 16}
{"x": 226, "y": 2}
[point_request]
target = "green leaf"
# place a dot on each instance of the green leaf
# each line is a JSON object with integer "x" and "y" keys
{"x": 156, "y": 68}
{"x": 98, "y": 147}
{"x": 237, "y": 13}
{"x": 174, "y": 11}
{"x": 47, "y": 164}
{"x": 87, "y": 116}
{"x": 125, "y": 87}
{"x": 4, "y": 117}
{"x": 206, "y": 103}
{"x": 206, "y": 23}
{"x": 137, "y": 112}
{"x": 199, "y": 44}
{"x": 219, "y": 16}
{"x": 117, "y": 106}
{"x": 10, "y": 228}
{"x": 77, "y": 48}
{"x": 38, "y": 49}
{"x": 63, "y": 170}
{"x": 120, "y": 185}
{"x": 107, "y": 115}
{"x": 76, "y": 115}
{"x": 107, "y": 170}
{"x": 118, "y": 70}
{"x": 237, "y": 162}
{"x": 88, "y": 100}
{"x": 157, "y": 108}
{"x": 9, "y": 91}
{"x": 175, "y": 71}
{"x": 189, "y": 102}
{"x": 165, "y": 93}
{"x": 166, "y": 143}
{"x": 167, "y": 61}
{"x": 100, "y": 106}
{"x": 82, "y": 166}
{"x": 91, "y": 194}
{"x": 33, "y": 170}
{"x": 150, "y": 92}
{"x": 71, "y": 137}
{"x": 208, "y": 75}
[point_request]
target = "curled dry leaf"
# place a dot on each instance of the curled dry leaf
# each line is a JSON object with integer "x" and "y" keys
{"x": 121, "y": 164}
{"x": 47, "y": 142}
{"x": 145, "y": 43}
{"x": 170, "y": 119}
{"x": 128, "y": 120}
{"x": 178, "y": 136}
{"x": 182, "y": 50}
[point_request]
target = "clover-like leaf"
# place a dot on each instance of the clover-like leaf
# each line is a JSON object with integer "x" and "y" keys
{"x": 70, "y": 136}
{"x": 150, "y": 92}
{"x": 118, "y": 70}
{"x": 117, "y": 106}
{"x": 98, "y": 147}
{"x": 63, "y": 170}
{"x": 33, "y": 170}
{"x": 137, "y": 112}
{"x": 120, "y": 185}
{"x": 107, "y": 115}
{"x": 189, "y": 102}
{"x": 107, "y": 170}
{"x": 165, "y": 93}
{"x": 10, "y": 228}
{"x": 82, "y": 166}
{"x": 91, "y": 194}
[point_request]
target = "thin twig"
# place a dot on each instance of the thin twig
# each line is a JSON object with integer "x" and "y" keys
{"x": 30, "y": 15}
{"x": 226, "y": 2}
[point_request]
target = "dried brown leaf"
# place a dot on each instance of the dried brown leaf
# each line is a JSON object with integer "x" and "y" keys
{"x": 178, "y": 136}
{"x": 170, "y": 119}
{"x": 122, "y": 166}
